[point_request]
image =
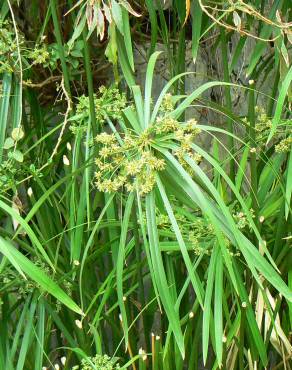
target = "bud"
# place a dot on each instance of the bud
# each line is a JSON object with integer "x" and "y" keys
{"x": 262, "y": 219}
{"x": 66, "y": 160}
{"x": 191, "y": 315}
{"x": 143, "y": 354}
{"x": 243, "y": 304}
{"x": 69, "y": 147}
{"x": 251, "y": 82}
{"x": 78, "y": 324}
{"x": 63, "y": 360}
{"x": 76, "y": 262}
{"x": 17, "y": 134}
{"x": 29, "y": 192}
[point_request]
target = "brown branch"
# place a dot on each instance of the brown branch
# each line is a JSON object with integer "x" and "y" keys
{"x": 43, "y": 83}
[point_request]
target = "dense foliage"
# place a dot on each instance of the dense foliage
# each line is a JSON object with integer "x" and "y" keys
{"x": 145, "y": 229}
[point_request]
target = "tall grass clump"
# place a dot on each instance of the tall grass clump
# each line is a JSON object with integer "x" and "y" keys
{"x": 145, "y": 184}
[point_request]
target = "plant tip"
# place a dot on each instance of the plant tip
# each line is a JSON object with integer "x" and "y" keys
{"x": 29, "y": 192}
{"x": 143, "y": 354}
{"x": 78, "y": 323}
{"x": 66, "y": 160}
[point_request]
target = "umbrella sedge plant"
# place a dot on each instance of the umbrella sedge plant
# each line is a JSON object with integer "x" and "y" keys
{"x": 145, "y": 228}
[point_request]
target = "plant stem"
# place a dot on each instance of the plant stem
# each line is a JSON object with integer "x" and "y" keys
{"x": 253, "y": 154}
{"x": 241, "y": 341}
{"x": 60, "y": 45}
{"x": 89, "y": 83}
{"x": 228, "y": 100}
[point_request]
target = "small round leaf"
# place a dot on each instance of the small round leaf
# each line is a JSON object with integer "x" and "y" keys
{"x": 9, "y": 143}
{"x": 18, "y": 156}
{"x": 17, "y": 133}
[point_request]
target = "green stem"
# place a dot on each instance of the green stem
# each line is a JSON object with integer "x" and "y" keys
{"x": 89, "y": 78}
{"x": 60, "y": 46}
{"x": 274, "y": 93}
{"x": 228, "y": 100}
{"x": 241, "y": 341}
{"x": 141, "y": 292}
{"x": 253, "y": 155}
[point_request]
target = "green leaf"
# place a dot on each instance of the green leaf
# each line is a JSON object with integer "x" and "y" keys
{"x": 117, "y": 16}
{"x": 148, "y": 87}
{"x": 121, "y": 261}
{"x": 127, "y": 38}
{"x": 77, "y": 30}
{"x": 139, "y": 104}
{"x": 154, "y": 25}
{"x": 262, "y": 45}
{"x": 26, "y": 337}
{"x": 207, "y": 303}
{"x": 112, "y": 49}
{"x": 17, "y": 259}
{"x": 251, "y": 317}
{"x": 9, "y": 143}
{"x": 196, "y": 13}
{"x": 288, "y": 186}
{"x": 4, "y": 106}
{"x": 28, "y": 229}
{"x": 123, "y": 61}
{"x": 159, "y": 273}
{"x": 280, "y": 103}
{"x": 197, "y": 285}
{"x": 218, "y": 319}
{"x": 17, "y": 155}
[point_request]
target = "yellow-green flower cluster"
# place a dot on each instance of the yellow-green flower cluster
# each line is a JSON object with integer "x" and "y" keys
{"x": 8, "y": 47}
{"x": 39, "y": 55}
{"x": 195, "y": 230}
{"x": 108, "y": 102}
{"x": 131, "y": 162}
{"x": 263, "y": 125}
{"x": 241, "y": 220}
{"x": 199, "y": 232}
{"x": 186, "y": 134}
{"x": 22, "y": 287}
{"x": 167, "y": 104}
{"x": 284, "y": 145}
{"x": 128, "y": 164}
{"x": 166, "y": 125}
{"x": 100, "y": 362}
